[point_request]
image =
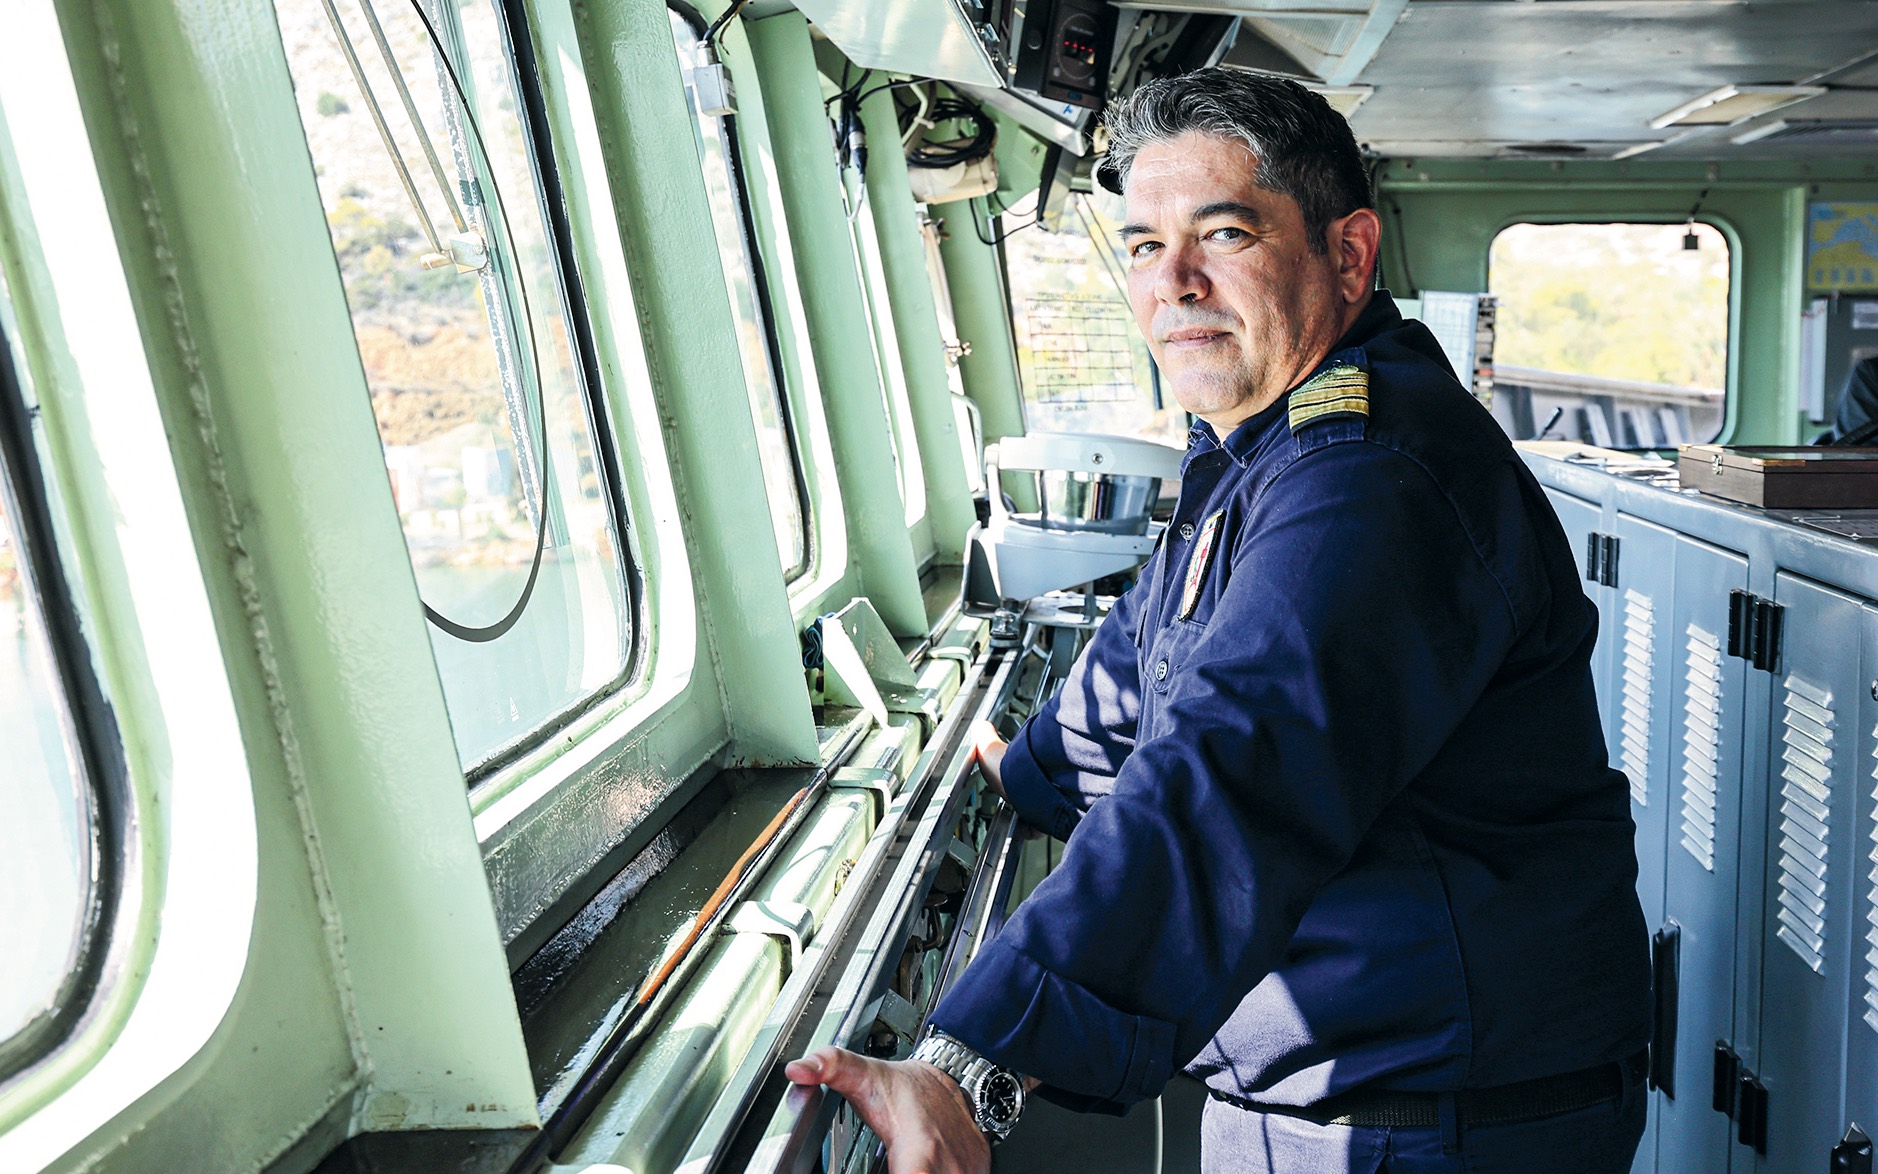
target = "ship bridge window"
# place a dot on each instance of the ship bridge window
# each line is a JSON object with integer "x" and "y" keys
{"x": 1612, "y": 334}
{"x": 749, "y": 293}
{"x": 60, "y": 847}
{"x": 877, "y": 302}
{"x": 446, "y": 218}
{"x": 1084, "y": 366}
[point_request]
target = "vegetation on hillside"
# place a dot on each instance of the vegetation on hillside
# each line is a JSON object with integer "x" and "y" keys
{"x": 1624, "y": 301}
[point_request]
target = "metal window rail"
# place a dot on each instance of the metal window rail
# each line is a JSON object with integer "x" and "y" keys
{"x": 770, "y": 1125}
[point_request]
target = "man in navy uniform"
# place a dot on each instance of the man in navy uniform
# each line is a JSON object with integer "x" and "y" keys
{"x": 1342, "y": 838}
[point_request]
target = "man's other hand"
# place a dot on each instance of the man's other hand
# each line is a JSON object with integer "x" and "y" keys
{"x": 917, "y": 1110}
{"x": 989, "y": 748}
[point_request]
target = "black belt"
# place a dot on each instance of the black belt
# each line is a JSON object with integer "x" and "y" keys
{"x": 1501, "y": 1105}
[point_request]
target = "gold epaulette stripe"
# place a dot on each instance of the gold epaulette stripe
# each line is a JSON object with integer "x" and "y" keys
{"x": 1336, "y": 377}
{"x": 1304, "y": 399}
{"x": 1341, "y": 391}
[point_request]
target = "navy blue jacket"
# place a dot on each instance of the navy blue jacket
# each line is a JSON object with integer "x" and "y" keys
{"x": 1336, "y": 796}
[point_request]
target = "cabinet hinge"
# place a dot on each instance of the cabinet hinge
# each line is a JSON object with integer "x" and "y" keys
{"x": 1854, "y": 1154}
{"x": 1727, "y": 1071}
{"x": 1741, "y": 1095}
{"x": 1601, "y": 558}
{"x": 1751, "y": 1113}
{"x": 1754, "y": 629}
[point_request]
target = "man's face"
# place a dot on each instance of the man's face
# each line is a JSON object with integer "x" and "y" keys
{"x": 1235, "y": 305}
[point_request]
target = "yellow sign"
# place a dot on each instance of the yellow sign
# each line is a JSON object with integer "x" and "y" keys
{"x": 1842, "y": 246}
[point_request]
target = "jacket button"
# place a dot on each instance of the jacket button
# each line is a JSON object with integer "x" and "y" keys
{"x": 1160, "y": 670}
{"x": 1186, "y": 531}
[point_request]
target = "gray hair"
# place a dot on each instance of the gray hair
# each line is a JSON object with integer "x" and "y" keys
{"x": 1303, "y": 148}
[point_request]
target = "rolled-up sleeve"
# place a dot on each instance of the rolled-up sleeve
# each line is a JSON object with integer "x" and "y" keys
{"x": 1358, "y": 626}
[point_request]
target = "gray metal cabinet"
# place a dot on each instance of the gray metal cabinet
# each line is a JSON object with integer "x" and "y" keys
{"x": 1641, "y": 690}
{"x": 1861, "y": 1060}
{"x": 1634, "y": 599}
{"x": 1806, "y": 913}
{"x": 1761, "y": 741}
{"x": 1695, "y": 944}
{"x": 1581, "y": 519}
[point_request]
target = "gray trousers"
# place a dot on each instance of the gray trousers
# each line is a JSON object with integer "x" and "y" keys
{"x": 1599, "y": 1140}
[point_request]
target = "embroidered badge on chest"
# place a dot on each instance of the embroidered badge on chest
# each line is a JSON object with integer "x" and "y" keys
{"x": 1197, "y": 563}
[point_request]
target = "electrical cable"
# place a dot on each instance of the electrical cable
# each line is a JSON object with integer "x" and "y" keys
{"x": 919, "y": 121}
{"x": 1401, "y": 245}
{"x": 488, "y": 632}
{"x": 967, "y": 150}
{"x": 883, "y": 87}
{"x": 843, "y": 90}
{"x": 717, "y": 26}
{"x": 998, "y": 238}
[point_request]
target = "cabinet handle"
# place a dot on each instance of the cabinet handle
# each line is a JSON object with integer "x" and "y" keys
{"x": 1666, "y": 967}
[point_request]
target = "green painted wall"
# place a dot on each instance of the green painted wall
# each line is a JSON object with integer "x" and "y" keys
{"x": 831, "y": 580}
{"x": 980, "y": 296}
{"x": 857, "y": 420}
{"x": 922, "y": 351}
{"x": 689, "y": 341}
{"x": 1440, "y": 218}
{"x": 361, "y": 812}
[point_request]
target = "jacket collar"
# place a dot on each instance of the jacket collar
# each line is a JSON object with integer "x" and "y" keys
{"x": 1242, "y": 444}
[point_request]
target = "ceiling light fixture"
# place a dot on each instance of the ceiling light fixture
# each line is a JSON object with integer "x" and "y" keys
{"x": 1819, "y": 132}
{"x": 1732, "y": 104}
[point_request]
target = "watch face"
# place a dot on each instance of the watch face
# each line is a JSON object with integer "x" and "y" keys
{"x": 1000, "y": 1102}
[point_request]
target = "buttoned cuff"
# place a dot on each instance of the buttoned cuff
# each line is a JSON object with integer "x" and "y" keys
{"x": 1030, "y": 792}
{"x": 1031, "y": 1020}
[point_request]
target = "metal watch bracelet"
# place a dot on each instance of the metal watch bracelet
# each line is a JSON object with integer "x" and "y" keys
{"x": 996, "y": 1095}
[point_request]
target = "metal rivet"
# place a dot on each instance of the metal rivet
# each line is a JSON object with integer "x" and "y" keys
{"x": 1160, "y": 671}
{"x": 1874, "y": 690}
{"x": 1186, "y": 531}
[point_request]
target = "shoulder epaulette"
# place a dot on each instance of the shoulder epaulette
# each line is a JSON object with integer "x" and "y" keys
{"x": 1341, "y": 390}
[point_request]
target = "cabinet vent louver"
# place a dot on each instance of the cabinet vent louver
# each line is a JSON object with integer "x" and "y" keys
{"x": 1805, "y": 821}
{"x": 1639, "y": 665}
{"x": 1701, "y": 744}
{"x": 1871, "y": 912}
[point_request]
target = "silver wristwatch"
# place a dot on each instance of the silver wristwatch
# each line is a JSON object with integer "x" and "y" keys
{"x": 996, "y": 1095}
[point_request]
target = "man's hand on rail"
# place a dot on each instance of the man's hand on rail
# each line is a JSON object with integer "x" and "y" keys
{"x": 917, "y": 1110}
{"x": 990, "y": 748}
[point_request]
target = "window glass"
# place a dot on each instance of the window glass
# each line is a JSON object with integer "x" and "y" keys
{"x": 965, "y": 415}
{"x": 870, "y": 272}
{"x": 730, "y": 217}
{"x": 49, "y": 839}
{"x": 899, "y": 402}
{"x": 434, "y": 195}
{"x": 1083, "y": 364}
{"x": 1619, "y": 329}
